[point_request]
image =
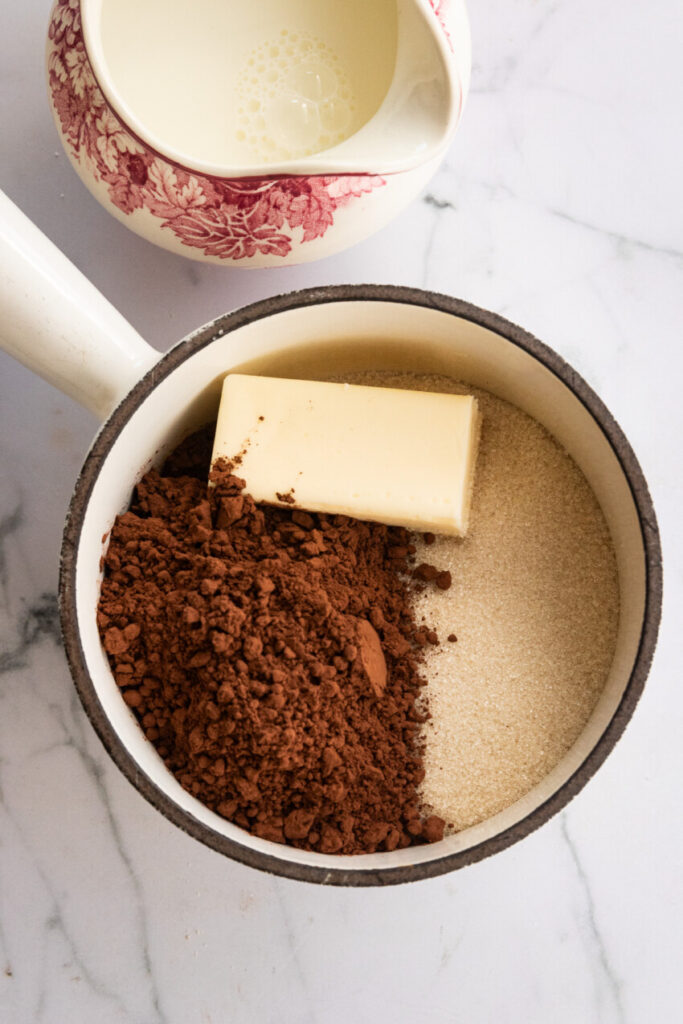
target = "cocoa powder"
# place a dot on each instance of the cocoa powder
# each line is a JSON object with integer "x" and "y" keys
{"x": 272, "y": 657}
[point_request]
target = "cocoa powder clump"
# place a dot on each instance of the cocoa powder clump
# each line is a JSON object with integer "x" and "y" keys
{"x": 272, "y": 657}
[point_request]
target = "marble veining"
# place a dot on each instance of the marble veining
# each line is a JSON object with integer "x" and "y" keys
{"x": 558, "y": 206}
{"x": 607, "y": 984}
{"x": 39, "y": 620}
{"x": 9, "y": 524}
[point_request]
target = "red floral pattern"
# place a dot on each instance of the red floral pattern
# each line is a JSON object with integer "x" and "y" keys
{"x": 225, "y": 219}
{"x": 440, "y": 8}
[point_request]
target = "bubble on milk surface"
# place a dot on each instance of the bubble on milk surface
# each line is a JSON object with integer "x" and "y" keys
{"x": 294, "y": 99}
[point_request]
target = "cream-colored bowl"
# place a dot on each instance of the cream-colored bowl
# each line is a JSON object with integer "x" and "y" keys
{"x": 256, "y": 221}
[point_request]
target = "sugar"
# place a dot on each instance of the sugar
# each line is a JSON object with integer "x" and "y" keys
{"x": 534, "y": 605}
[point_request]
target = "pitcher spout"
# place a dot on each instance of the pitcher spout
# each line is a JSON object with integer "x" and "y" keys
{"x": 424, "y": 103}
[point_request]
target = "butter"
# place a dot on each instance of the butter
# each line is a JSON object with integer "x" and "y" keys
{"x": 405, "y": 458}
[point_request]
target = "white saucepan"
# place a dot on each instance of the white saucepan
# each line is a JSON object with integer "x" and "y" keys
{"x": 55, "y": 322}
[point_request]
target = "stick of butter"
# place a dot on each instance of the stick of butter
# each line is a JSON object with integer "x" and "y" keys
{"x": 405, "y": 458}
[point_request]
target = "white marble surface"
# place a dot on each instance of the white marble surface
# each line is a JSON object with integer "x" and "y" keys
{"x": 558, "y": 206}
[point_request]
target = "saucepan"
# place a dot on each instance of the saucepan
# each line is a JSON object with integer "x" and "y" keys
{"x": 55, "y": 322}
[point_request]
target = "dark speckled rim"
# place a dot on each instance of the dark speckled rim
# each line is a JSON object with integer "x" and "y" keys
{"x": 344, "y": 875}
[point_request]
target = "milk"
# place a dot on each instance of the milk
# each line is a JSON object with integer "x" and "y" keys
{"x": 228, "y": 83}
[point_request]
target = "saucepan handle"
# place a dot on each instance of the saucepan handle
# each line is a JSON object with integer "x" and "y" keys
{"x": 55, "y": 322}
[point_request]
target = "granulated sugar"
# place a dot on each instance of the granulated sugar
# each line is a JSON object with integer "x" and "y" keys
{"x": 534, "y": 607}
